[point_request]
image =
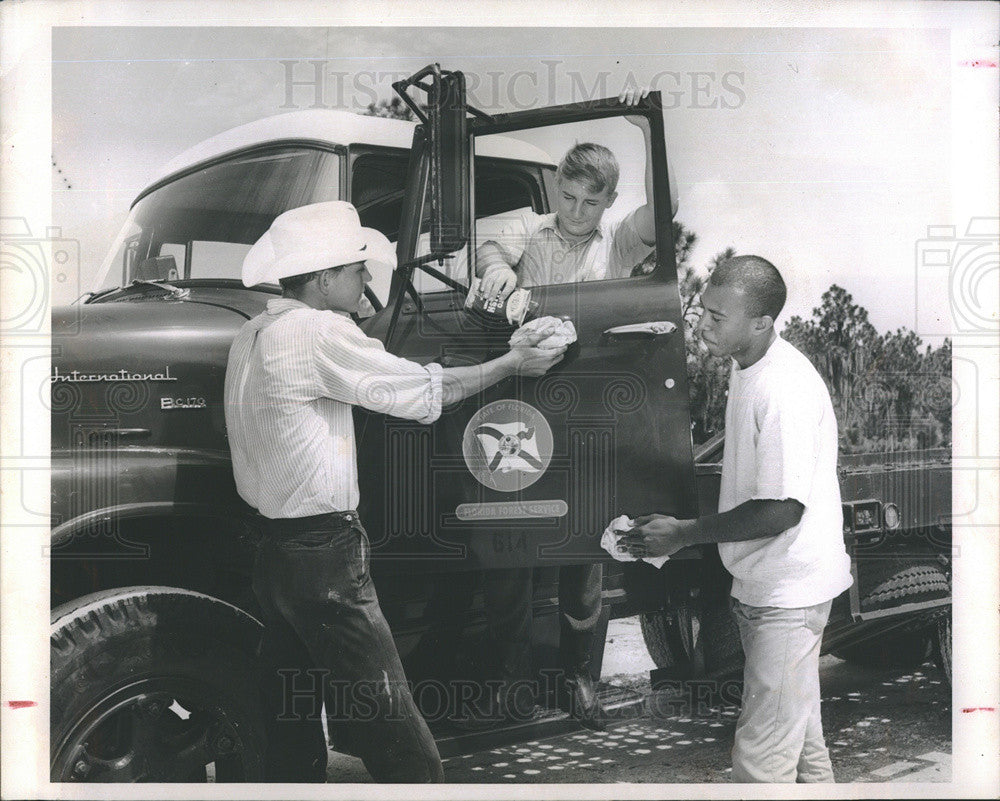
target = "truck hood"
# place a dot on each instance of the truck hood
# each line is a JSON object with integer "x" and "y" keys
{"x": 138, "y": 328}
{"x": 144, "y": 365}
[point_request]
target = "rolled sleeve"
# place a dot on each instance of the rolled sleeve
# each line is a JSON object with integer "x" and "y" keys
{"x": 627, "y": 247}
{"x": 786, "y": 447}
{"x": 354, "y": 368}
{"x": 434, "y": 410}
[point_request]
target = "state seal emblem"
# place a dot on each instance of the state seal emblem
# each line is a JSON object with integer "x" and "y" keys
{"x": 507, "y": 445}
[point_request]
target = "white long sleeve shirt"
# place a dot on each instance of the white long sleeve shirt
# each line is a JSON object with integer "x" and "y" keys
{"x": 293, "y": 374}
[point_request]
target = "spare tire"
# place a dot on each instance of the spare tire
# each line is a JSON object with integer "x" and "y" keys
{"x": 889, "y": 583}
{"x": 154, "y": 684}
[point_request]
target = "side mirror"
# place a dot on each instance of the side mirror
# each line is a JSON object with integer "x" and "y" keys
{"x": 451, "y": 158}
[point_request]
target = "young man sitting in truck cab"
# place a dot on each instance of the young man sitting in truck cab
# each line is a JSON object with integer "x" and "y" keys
{"x": 779, "y": 525}
{"x": 574, "y": 243}
{"x": 293, "y": 375}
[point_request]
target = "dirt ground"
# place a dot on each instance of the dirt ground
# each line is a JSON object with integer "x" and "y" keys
{"x": 890, "y": 725}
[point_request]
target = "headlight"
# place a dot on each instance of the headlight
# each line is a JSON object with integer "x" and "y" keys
{"x": 890, "y": 515}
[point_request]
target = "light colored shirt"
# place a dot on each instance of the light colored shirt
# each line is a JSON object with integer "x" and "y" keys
{"x": 294, "y": 373}
{"x": 781, "y": 442}
{"x": 532, "y": 245}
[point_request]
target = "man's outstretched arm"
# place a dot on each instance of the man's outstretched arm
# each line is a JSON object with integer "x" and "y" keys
{"x": 661, "y": 535}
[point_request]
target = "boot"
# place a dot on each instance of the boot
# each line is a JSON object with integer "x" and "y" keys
{"x": 508, "y": 697}
{"x": 577, "y": 695}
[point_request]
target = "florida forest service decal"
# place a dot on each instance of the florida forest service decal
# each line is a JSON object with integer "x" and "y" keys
{"x": 507, "y": 445}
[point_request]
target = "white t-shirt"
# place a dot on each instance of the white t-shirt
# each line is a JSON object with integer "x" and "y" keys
{"x": 781, "y": 442}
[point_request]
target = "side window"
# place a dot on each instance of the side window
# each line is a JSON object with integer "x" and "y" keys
{"x": 378, "y": 182}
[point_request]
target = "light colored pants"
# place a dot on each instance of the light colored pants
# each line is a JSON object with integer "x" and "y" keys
{"x": 779, "y": 735}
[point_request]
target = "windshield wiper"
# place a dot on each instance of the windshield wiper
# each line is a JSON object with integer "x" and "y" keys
{"x": 100, "y": 293}
{"x": 176, "y": 292}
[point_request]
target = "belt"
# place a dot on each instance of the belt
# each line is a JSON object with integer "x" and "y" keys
{"x": 291, "y": 525}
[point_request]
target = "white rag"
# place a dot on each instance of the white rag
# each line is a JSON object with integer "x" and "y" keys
{"x": 609, "y": 542}
{"x": 544, "y": 332}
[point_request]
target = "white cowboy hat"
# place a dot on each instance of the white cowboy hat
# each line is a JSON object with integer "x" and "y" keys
{"x": 312, "y": 238}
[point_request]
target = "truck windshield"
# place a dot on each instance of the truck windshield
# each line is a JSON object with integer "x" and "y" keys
{"x": 202, "y": 225}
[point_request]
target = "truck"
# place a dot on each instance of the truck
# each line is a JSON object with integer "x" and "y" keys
{"x": 153, "y": 616}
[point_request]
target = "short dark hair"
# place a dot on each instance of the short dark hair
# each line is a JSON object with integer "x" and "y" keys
{"x": 593, "y": 164}
{"x": 293, "y": 283}
{"x": 758, "y": 279}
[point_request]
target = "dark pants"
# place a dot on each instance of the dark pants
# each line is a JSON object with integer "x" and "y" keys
{"x": 507, "y": 594}
{"x": 325, "y": 639}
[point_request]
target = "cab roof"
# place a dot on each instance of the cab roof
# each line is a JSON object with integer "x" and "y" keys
{"x": 334, "y": 128}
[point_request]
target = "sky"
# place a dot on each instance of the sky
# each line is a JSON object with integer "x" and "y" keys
{"x": 828, "y": 151}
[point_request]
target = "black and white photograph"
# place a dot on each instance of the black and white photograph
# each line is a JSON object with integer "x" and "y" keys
{"x": 527, "y": 399}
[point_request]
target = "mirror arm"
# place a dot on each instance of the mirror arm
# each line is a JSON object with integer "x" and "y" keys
{"x": 444, "y": 279}
{"x": 412, "y": 292}
{"x": 406, "y": 277}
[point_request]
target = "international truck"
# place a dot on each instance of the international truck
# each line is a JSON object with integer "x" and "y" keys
{"x": 154, "y": 622}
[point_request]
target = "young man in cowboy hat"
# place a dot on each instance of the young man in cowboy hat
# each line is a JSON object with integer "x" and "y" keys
{"x": 779, "y": 526}
{"x": 294, "y": 373}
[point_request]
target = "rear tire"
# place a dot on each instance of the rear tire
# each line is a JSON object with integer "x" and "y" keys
{"x": 942, "y": 651}
{"x": 154, "y": 684}
{"x": 704, "y": 639}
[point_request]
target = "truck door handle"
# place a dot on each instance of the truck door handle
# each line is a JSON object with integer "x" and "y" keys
{"x": 659, "y": 328}
{"x": 129, "y": 432}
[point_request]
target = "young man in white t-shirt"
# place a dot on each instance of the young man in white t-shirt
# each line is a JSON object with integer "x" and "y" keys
{"x": 778, "y": 527}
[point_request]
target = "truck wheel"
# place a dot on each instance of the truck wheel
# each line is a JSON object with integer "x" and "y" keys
{"x": 154, "y": 684}
{"x": 661, "y": 632}
{"x": 706, "y": 639}
{"x": 942, "y": 652}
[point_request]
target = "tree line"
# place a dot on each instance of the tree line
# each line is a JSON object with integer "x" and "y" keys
{"x": 890, "y": 392}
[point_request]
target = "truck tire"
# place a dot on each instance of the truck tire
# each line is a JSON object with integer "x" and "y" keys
{"x": 893, "y": 583}
{"x": 154, "y": 684}
{"x": 704, "y": 639}
{"x": 898, "y": 581}
{"x": 943, "y": 646}
{"x": 655, "y": 627}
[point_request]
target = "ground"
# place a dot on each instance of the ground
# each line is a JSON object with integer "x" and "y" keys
{"x": 890, "y": 725}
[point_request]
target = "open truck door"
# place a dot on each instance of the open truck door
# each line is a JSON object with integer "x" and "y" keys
{"x": 529, "y": 472}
